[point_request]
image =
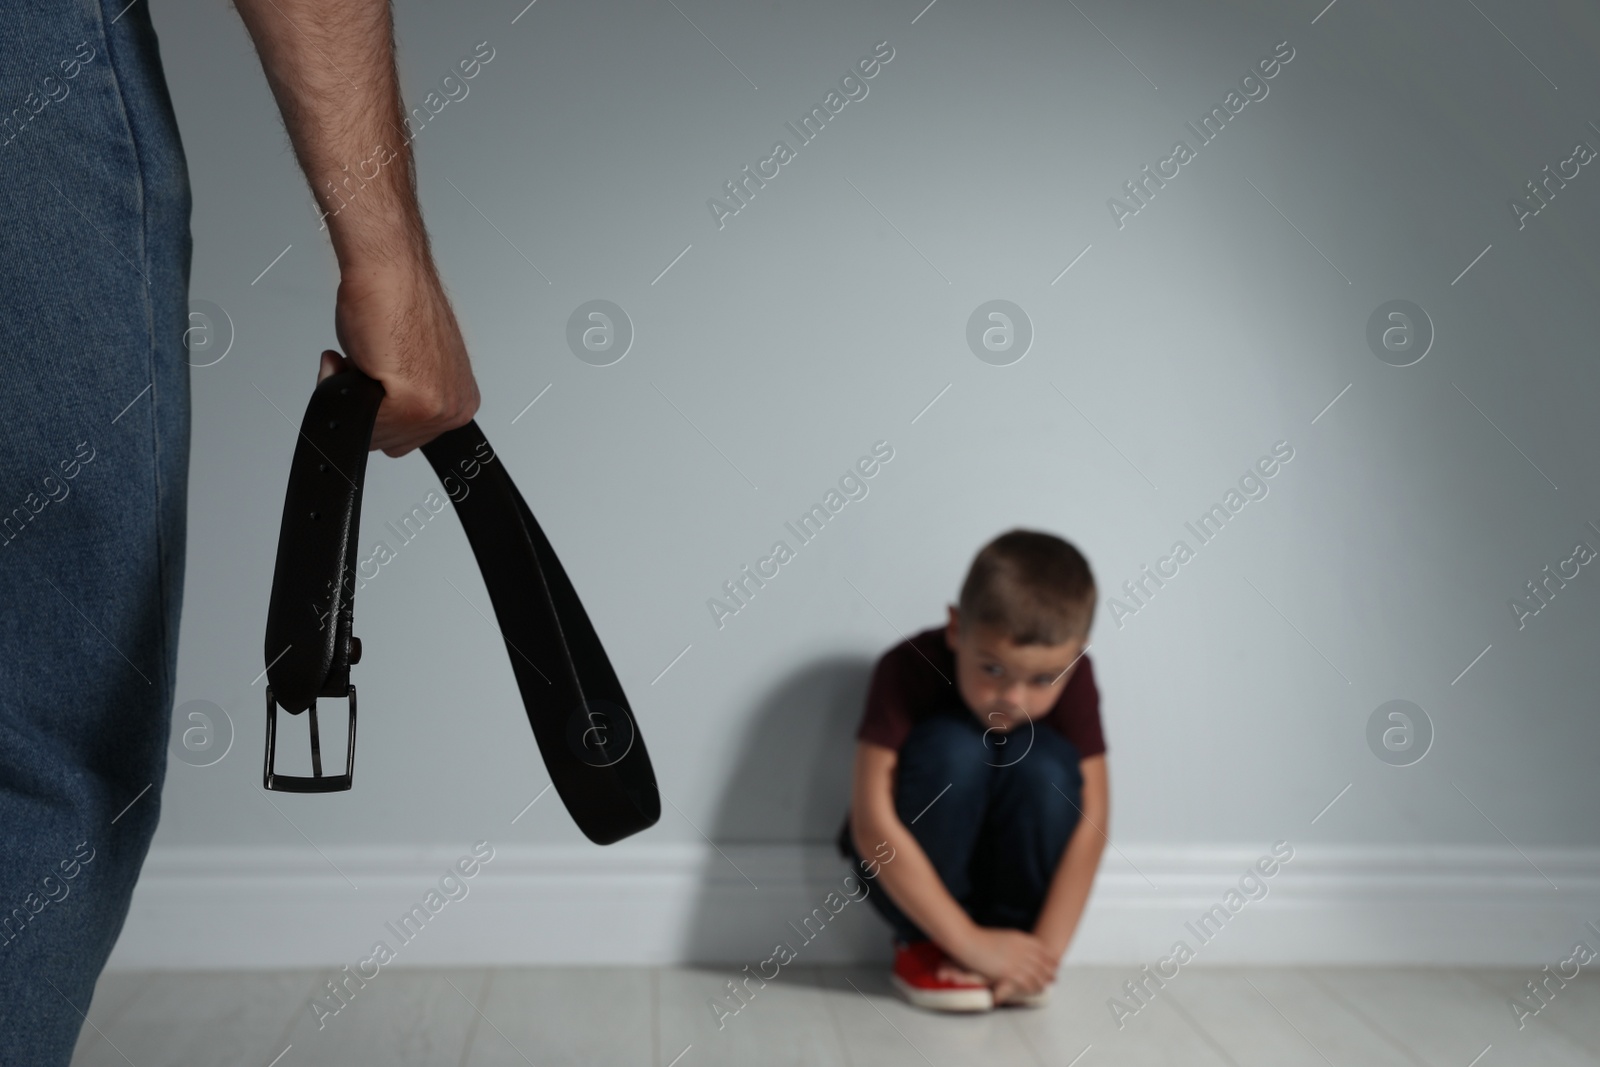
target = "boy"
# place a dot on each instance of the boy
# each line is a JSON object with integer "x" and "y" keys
{"x": 980, "y": 760}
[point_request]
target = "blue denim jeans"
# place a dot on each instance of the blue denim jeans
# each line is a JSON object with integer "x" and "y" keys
{"x": 94, "y": 416}
{"x": 992, "y": 811}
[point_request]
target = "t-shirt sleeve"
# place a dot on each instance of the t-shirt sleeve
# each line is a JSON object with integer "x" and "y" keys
{"x": 1079, "y": 714}
{"x": 886, "y": 720}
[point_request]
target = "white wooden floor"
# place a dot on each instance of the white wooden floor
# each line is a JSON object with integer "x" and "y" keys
{"x": 658, "y": 1017}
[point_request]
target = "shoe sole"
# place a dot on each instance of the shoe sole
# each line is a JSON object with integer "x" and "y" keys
{"x": 966, "y": 1000}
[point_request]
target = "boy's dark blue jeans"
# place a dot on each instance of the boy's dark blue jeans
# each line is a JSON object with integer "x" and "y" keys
{"x": 992, "y": 811}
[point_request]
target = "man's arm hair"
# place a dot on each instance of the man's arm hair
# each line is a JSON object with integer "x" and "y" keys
{"x": 331, "y": 67}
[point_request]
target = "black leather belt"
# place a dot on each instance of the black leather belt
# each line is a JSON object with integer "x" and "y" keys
{"x": 580, "y": 716}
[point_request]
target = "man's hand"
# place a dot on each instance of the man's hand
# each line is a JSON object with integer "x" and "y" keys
{"x": 1014, "y": 960}
{"x": 397, "y": 326}
{"x": 391, "y": 314}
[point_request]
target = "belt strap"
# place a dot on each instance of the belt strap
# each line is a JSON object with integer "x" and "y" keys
{"x": 580, "y": 715}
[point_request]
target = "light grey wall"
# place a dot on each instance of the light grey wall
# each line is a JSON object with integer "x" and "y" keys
{"x": 1223, "y": 318}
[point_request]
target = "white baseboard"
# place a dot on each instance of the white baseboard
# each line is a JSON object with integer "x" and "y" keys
{"x": 636, "y": 903}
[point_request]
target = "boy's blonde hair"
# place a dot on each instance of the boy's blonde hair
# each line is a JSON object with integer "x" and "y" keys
{"x": 1032, "y": 586}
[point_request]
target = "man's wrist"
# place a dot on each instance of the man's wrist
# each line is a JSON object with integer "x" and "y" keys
{"x": 383, "y": 250}
{"x": 383, "y": 229}
{"x": 408, "y": 265}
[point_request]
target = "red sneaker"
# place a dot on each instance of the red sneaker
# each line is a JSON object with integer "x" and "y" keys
{"x": 916, "y": 975}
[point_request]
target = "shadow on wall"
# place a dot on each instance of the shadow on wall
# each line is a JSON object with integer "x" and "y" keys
{"x": 789, "y": 785}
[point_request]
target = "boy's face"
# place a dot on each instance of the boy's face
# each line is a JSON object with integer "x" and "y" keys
{"x": 1005, "y": 684}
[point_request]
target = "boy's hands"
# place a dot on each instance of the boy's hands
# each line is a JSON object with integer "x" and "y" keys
{"x": 1014, "y": 961}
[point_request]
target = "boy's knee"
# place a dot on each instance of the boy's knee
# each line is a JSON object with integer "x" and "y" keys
{"x": 1047, "y": 775}
{"x": 945, "y": 747}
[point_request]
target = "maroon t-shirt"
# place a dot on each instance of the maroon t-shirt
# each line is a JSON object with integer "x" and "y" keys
{"x": 918, "y": 676}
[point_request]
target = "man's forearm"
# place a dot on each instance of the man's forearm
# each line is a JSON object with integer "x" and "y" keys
{"x": 1069, "y": 888}
{"x": 330, "y": 65}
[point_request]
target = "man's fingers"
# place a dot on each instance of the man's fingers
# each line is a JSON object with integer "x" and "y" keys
{"x": 411, "y": 417}
{"x": 422, "y": 362}
{"x": 332, "y": 363}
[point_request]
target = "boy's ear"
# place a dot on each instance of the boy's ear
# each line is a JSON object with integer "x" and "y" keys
{"x": 952, "y": 630}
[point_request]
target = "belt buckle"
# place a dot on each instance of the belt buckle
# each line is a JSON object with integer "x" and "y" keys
{"x": 317, "y": 782}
